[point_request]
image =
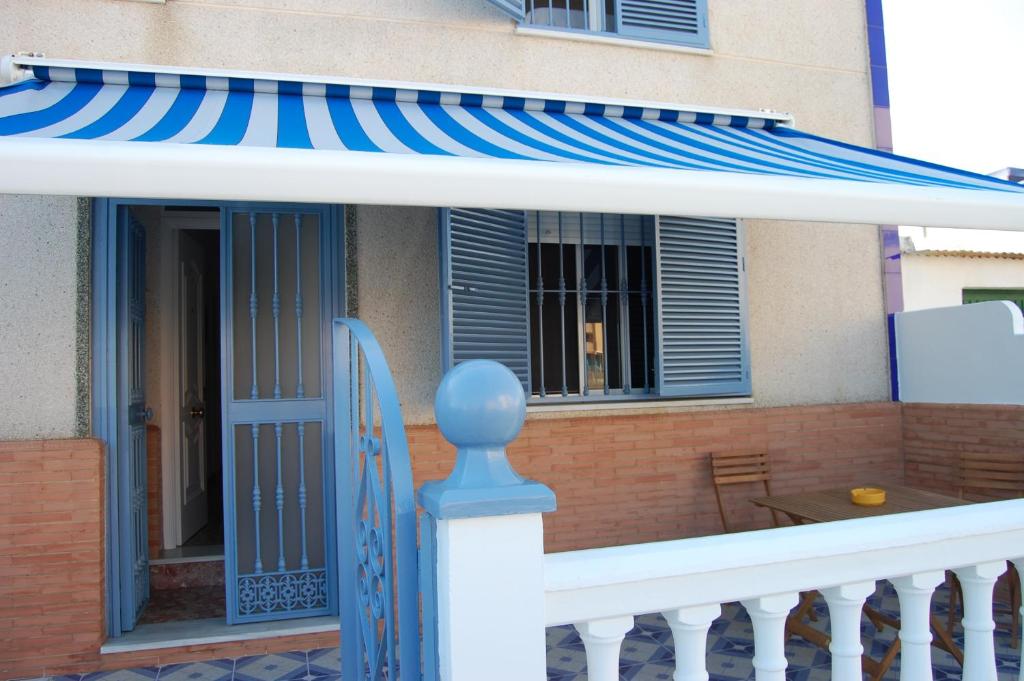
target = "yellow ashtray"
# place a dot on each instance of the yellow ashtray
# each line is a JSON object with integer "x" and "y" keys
{"x": 867, "y": 496}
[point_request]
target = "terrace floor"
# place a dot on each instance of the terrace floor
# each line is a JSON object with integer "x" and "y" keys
{"x": 647, "y": 653}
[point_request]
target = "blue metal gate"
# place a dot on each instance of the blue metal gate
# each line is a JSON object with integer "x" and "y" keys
{"x": 380, "y": 624}
{"x": 281, "y": 286}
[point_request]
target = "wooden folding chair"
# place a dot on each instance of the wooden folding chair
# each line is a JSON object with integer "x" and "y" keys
{"x": 991, "y": 477}
{"x": 736, "y": 469}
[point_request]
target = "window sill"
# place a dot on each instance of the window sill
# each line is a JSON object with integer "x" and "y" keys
{"x": 608, "y": 39}
{"x": 635, "y": 405}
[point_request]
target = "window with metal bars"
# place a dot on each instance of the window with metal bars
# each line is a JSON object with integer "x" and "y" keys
{"x": 590, "y": 307}
{"x": 674, "y": 21}
{"x": 591, "y": 304}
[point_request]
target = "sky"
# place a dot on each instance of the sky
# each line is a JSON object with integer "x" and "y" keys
{"x": 956, "y": 88}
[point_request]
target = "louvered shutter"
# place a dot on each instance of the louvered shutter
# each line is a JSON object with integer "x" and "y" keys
{"x": 484, "y": 288}
{"x": 701, "y": 308}
{"x": 677, "y": 21}
{"x": 514, "y": 8}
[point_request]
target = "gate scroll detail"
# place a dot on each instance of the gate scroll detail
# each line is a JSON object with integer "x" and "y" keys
{"x": 377, "y": 549}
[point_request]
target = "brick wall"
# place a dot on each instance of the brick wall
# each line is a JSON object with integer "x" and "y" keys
{"x": 934, "y": 435}
{"x": 154, "y": 491}
{"x": 51, "y": 556}
{"x": 629, "y": 479}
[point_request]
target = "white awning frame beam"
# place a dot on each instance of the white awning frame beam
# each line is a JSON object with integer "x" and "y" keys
{"x": 176, "y": 171}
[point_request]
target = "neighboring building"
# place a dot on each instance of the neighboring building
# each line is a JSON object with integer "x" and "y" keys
{"x": 943, "y": 267}
{"x": 169, "y": 275}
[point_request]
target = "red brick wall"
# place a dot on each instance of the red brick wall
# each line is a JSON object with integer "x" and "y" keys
{"x": 934, "y": 435}
{"x": 628, "y": 479}
{"x": 154, "y": 491}
{"x": 51, "y": 556}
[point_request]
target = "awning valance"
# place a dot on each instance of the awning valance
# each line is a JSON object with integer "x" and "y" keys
{"x": 387, "y": 144}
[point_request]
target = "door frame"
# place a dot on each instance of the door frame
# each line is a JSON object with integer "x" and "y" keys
{"x": 170, "y": 362}
{"x": 105, "y": 399}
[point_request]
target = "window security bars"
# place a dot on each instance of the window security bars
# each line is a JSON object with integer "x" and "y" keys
{"x": 591, "y": 304}
{"x": 582, "y": 15}
{"x": 682, "y": 22}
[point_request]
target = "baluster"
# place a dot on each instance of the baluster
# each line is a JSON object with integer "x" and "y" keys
{"x": 561, "y": 302}
{"x": 845, "y": 604}
{"x": 604, "y": 313}
{"x": 915, "y": 593}
{"x": 1019, "y": 564}
{"x": 304, "y": 559}
{"x": 584, "y": 294}
{"x": 540, "y": 310}
{"x": 643, "y": 301}
{"x": 256, "y": 497}
{"x": 603, "y": 641}
{"x": 279, "y": 500}
{"x": 768, "y": 615}
{"x": 300, "y": 388}
{"x": 254, "y": 391}
{"x": 626, "y": 360}
{"x": 977, "y": 582}
{"x": 690, "y": 633}
{"x": 275, "y": 309}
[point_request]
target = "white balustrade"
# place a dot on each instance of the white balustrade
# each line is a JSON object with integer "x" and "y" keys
{"x": 601, "y": 590}
{"x": 845, "y": 603}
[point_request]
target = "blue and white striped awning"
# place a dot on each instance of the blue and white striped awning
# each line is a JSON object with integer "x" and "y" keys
{"x": 113, "y": 114}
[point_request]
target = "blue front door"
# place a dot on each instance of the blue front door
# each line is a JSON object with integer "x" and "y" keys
{"x": 131, "y": 462}
{"x": 281, "y": 285}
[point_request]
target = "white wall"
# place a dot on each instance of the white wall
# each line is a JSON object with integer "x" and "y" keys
{"x": 817, "y": 331}
{"x": 938, "y": 281}
{"x": 969, "y": 354}
{"x": 38, "y": 289}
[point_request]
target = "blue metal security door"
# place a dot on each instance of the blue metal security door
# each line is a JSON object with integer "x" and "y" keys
{"x": 131, "y": 422}
{"x": 281, "y": 284}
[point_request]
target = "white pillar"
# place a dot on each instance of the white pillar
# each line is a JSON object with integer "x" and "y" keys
{"x": 845, "y": 604}
{"x": 768, "y": 615}
{"x": 915, "y": 592}
{"x": 690, "y": 634}
{"x": 489, "y": 538}
{"x": 1019, "y": 564}
{"x": 979, "y": 648}
{"x": 603, "y": 641}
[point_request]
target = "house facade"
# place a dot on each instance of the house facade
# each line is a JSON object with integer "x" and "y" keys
{"x": 168, "y": 368}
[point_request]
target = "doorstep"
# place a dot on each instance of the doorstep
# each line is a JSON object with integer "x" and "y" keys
{"x": 207, "y": 631}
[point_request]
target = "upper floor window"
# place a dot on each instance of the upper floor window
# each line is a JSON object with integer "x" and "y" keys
{"x": 674, "y": 21}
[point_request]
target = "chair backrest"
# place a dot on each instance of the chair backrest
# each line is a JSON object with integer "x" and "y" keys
{"x": 738, "y": 468}
{"x": 991, "y": 476}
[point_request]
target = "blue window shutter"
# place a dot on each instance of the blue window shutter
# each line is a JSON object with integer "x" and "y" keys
{"x": 702, "y": 319}
{"x": 676, "y": 21}
{"x": 485, "y": 295}
{"x": 514, "y": 8}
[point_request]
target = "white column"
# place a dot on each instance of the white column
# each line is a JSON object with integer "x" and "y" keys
{"x": 768, "y": 615}
{"x": 690, "y": 633}
{"x": 490, "y": 589}
{"x": 1019, "y": 564}
{"x": 845, "y": 604}
{"x": 603, "y": 641}
{"x": 979, "y": 648}
{"x": 915, "y": 592}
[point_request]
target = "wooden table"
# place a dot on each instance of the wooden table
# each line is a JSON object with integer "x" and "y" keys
{"x": 835, "y": 504}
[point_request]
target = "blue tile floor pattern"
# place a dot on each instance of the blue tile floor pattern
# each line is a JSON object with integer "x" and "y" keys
{"x": 647, "y": 653}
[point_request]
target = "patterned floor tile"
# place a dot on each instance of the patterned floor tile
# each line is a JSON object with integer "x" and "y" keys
{"x": 281, "y": 667}
{"x": 324, "y": 662}
{"x": 214, "y": 670}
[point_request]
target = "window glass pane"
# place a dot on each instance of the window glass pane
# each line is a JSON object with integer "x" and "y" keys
{"x": 558, "y": 13}
{"x": 639, "y": 268}
{"x": 609, "y": 16}
{"x": 549, "y": 315}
